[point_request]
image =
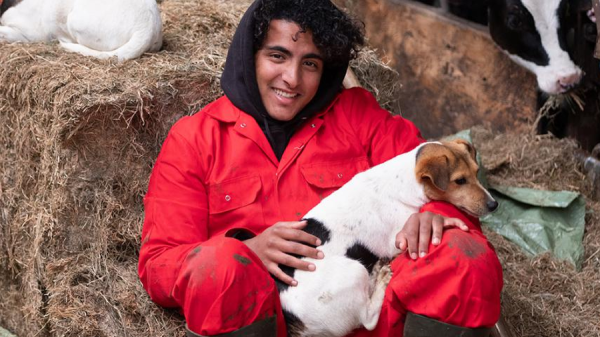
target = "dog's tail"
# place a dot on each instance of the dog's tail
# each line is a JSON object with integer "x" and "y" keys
{"x": 140, "y": 42}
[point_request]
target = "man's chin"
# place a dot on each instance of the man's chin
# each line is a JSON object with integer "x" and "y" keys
{"x": 282, "y": 115}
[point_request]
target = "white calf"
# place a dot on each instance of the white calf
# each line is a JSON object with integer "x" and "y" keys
{"x": 100, "y": 28}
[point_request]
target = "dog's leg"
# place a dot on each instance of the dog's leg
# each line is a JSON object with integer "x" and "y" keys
{"x": 382, "y": 274}
{"x": 8, "y": 34}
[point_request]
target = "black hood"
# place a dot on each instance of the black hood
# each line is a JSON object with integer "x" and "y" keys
{"x": 239, "y": 84}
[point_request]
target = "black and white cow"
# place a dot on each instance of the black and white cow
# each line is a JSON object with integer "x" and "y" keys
{"x": 546, "y": 36}
{"x": 101, "y": 28}
{"x": 555, "y": 40}
{"x": 530, "y": 31}
{"x": 533, "y": 34}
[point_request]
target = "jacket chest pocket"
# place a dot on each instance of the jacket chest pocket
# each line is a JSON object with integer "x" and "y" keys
{"x": 233, "y": 203}
{"x": 325, "y": 178}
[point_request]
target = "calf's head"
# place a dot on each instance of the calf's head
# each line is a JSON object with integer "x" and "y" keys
{"x": 531, "y": 32}
{"x": 448, "y": 172}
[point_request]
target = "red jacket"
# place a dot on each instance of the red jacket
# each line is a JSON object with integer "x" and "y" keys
{"x": 216, "y": 172}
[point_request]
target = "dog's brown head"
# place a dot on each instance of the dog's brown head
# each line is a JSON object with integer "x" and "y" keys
{"x": 448, "y": 172}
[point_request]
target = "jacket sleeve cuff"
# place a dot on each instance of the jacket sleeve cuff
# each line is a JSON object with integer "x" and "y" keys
{"x": 450, "y": 211}
{"x": 241, "y": 234}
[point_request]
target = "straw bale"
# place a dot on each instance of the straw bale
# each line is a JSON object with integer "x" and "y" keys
{"x": 543, "y": 296}
{"x": 379, "y": 78}
{"x": 78, "y": 137}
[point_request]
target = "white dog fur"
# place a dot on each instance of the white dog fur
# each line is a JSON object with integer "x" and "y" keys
{"x": 371, "y": 209}
{"x": 103, "y": 29}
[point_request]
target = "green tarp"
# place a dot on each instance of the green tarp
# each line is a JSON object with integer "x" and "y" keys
{"x": 537, "y": 221}
{"x": 540, "y": 221}
{"x": 5, "y": 333}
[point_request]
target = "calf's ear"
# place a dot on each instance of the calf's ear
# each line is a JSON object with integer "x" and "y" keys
{"x": 434, "y": 170}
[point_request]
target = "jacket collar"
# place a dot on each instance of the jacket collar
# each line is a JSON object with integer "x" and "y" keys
{"x": 223, "y": 110}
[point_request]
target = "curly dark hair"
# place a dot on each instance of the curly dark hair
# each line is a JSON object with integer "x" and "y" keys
{"x": 337, "y": 36}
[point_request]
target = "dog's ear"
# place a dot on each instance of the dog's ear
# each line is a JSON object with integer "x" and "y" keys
{"x": 435, "y": 168}
{"x": 470, "y": 148}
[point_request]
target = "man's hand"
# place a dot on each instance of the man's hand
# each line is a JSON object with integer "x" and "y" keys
{"x": 275, "y": 245}
{"x": 418, "y": 231}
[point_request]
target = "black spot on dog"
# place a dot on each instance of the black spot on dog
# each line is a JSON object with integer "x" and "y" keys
{"x": 363, "y": 255}
{"x": 280, "y": 285}
{"x": 315, "y": 228}
{"x": 295, "y": 326}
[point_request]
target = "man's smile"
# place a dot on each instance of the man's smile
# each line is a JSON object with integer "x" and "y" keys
{"x": 285, "y": 94}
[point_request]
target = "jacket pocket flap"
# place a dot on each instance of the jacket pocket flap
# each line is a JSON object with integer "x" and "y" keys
{"x": 233, "y": 193}
{"x": 333, "y": 174}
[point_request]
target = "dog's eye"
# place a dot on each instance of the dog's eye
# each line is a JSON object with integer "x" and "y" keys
{"x": 461, "y": 181}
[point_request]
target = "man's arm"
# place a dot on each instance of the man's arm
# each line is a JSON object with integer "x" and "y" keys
{"x": 176, "y": 217}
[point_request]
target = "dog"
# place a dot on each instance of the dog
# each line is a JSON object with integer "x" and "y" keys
{"x": 358, "y": 224}
{"x": 102, "y": 29}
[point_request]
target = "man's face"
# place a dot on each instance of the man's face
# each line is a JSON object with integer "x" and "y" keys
{"x": 288, "y": 69}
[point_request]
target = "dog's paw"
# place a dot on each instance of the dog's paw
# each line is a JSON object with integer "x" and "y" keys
{"x": 384, "y": 272}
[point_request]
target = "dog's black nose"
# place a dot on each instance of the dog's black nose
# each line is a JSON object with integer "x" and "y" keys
{"x": 492, "y": 205}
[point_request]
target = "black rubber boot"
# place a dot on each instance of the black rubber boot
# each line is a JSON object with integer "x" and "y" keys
{"x": 423, "y": 326}
{"x": 265, "y": 328}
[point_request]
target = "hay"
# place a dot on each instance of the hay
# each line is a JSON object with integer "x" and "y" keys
{"x": 380, "y": 79}
{"x": 78, "y": 139}
{"x": 542, "y": 296}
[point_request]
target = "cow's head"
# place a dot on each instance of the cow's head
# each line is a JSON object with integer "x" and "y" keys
{"x": 530, "y": 32}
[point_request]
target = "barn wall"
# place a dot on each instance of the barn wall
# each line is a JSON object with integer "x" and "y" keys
{"x": 452, "y": 74}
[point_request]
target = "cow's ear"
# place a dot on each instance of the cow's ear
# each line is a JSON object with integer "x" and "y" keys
{"x": 434, "y": 170}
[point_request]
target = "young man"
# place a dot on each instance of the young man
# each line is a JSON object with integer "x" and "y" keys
{"x": 232, "y": 182}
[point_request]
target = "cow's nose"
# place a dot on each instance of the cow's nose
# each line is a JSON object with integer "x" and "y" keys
{"x": 492, "y": 205}
{"x": 568, "y": 82}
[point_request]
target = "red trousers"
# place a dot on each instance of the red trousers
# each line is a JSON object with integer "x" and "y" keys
{"x": 224, "y": 286}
